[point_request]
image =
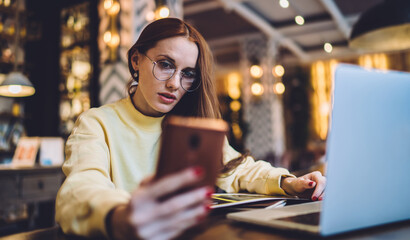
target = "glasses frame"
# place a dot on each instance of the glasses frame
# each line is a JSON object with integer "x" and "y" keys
{"x": 154, "y": 63}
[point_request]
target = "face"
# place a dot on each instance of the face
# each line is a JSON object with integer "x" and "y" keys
{"x": 153, "y": 97}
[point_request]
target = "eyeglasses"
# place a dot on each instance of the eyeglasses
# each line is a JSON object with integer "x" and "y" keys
{"x": 164, "y": 70}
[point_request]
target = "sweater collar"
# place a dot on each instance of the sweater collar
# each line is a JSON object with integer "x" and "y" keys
{"x": 143, "y": 121}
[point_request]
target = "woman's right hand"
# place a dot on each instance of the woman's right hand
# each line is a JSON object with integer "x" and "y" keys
{"x": 146, "y": 217}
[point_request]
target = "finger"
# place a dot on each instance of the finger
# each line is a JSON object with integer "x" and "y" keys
{"x": 308, "y": 184}
{"x": 175, "y": 182}
{"x": 185, "y": 200}
{"x": 322, "y": 196}
{"x": 312, "y": 176}
{"x": 301, "y": 185}
{"x": 146, "y": 181}
{"x": 167, "y": 235}
{"x": 320, "y": 187}
{"x": 172, "y": 224}
{"x": 187, "y": 219}
{"x": 157, "y": 210}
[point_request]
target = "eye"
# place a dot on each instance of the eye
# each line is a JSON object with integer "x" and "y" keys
{"x": 191, "y": 74}
{"x": 164, "y": 64}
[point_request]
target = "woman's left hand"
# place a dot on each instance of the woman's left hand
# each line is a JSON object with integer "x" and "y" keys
{"x": 311, "y": 185}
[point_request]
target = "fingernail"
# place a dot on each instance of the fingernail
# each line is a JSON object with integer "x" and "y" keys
{"x": 320, "y": 198}
{"x": 314, "y": 198}
{"x": 311, "y": 184}
{"x": 198, "y": 171}
{"x": 209, "y": 192}
{"x": 208, "y": 207}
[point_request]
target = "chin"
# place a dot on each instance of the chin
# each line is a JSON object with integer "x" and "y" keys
{"x": 164, "y": 110}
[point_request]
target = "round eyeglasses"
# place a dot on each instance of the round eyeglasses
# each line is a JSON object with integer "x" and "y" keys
{"x": 164, "y": 70}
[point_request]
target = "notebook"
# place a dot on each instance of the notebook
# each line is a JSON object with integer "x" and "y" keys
{"x": 368, "y": 158}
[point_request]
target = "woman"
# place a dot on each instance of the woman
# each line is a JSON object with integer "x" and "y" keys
{"x": 114, "y": 148}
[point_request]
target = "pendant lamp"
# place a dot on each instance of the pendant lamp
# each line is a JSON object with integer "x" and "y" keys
{"x": 16, "y": 84}
{"x": 384, "y": 27}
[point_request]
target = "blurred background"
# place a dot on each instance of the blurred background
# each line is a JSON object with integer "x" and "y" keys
{"x": 274, "y": 63}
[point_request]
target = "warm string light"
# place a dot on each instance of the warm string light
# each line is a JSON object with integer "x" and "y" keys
{"x": 114, "y": 9}
{"x": 235, "y": 105}
{"x": 322, "y": 80}
{"x": 234, "y": 91}
{"x": 111, "y": 36}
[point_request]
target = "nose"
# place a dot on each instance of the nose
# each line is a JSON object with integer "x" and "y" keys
{"x": 174, "y": 82}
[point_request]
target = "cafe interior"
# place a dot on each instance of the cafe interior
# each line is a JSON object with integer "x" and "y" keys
{"x": 274, "y": 69}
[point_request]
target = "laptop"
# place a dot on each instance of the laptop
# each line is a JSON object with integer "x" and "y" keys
{"x": 368, "y": 158}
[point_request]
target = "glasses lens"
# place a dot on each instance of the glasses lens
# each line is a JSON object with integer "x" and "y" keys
{"x": 189, "y": 80}
{"x": 164, "y": 70}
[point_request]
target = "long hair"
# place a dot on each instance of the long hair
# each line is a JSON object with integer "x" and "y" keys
{"x": 203, "y": 102}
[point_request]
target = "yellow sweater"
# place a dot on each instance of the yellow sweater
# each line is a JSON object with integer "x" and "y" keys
{"x": 111, "y": 149}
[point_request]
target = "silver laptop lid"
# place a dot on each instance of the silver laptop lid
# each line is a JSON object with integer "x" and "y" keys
{"x": 368, "y": 150}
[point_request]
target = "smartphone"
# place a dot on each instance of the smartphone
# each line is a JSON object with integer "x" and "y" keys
{"x": 188, "y": 142}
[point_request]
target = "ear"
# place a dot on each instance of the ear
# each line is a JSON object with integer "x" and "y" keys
{"x": 134, "y": 61}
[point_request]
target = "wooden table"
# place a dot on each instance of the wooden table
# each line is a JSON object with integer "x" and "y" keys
{"x": 217, "y": 227}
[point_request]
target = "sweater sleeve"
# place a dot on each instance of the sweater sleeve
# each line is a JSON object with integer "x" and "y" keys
{"x": 87, "y": 194}
{"x": 251, "y": 176}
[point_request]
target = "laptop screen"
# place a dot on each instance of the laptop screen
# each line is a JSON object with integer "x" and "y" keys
{"x": 368, "y": 150}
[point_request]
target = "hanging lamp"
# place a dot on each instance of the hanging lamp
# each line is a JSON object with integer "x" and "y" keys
{"x": 383, "y": 27}
{"x": 16, "y": 84}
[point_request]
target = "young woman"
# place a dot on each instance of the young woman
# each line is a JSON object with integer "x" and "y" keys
{"x": 112, "y": 150}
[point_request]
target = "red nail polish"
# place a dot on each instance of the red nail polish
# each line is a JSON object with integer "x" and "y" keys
{"x": 311, "y": 184}
{"x": 314, "y": 198}
{"x": 209, "y": 192}
{"x": 208, "y": 207}
{"x": 198, "y": 171}
{"x": 321, "y": 198}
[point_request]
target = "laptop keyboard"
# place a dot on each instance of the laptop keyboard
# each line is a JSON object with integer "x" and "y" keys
{"x": 309, "y": 218}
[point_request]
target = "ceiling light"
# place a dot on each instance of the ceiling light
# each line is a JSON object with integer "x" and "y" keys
{"x": 278, "y": 71}
{"x": 162, "y": 12}
{"x": 299, "y": 20}
{"x": 384, "y": 27}
{"x": 256, "y": 71}
{"x": 16, "y": 85}
{"x": 328, "y": 47}
{"x": 284, "y": 3}
{"x": 257, "y": 89}
{"x": 279, "y": 88}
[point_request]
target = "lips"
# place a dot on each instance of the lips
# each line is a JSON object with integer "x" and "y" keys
{"x": 168, "y": 95}
{"x": 167, "y": 98}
